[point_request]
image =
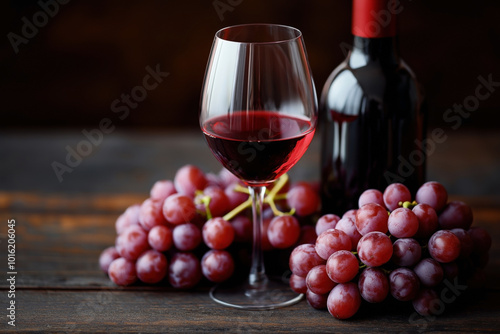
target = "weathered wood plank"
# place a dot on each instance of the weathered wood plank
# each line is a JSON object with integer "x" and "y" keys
{"x": 186, "y": 312}
{"x": 60, "y": 249}
{"x": 23, "y": 202}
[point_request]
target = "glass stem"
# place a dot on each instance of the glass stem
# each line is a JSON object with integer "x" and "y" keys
{"x": 257, "y": 278}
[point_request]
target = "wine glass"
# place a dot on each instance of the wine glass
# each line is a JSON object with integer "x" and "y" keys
{"x": 258, "y": 114}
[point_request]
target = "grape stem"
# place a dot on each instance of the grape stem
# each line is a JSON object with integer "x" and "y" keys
{"x": 205, "y": 200}
{"x": 408, "y": 204}
{"x": 270, "y": 199}
{"x": 280, "y": 197}
{"x": 241, "y": 189}
{"x": 233, "y": 213}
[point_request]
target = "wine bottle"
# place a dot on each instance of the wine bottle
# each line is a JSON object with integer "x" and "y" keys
{"x": 372, "y": 114}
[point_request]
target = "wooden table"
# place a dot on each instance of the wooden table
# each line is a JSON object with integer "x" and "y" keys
{"x": 59, "y": 287}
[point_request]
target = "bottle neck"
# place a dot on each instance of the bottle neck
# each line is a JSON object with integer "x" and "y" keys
{"x": 374, "y": 18}
{"x": 374, "y": 30}
{"x": 383, "y": 50}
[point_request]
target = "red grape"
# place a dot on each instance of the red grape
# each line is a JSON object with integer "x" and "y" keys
{"x": 427, "y": 302}
{"x": 266, "y": 244}
{"x": 375, "y": 249}
{"x": 456, "y": 214}
{"x": 450, "y": 270}
{"x": 466, "y": 243}
{"x": 186, "y": 237}
{"x": 160, "y": 238}
{"x": 218, "y": 204}
{"x": 217, "y": 265}
{"x": 444, "y": 246}
{"x": 213, "y": 180}
{"x": 234, "y": 197}
{"x": 283, "y": 231}
{"x": 179, "y": 209}
{"x": 188, "y": 179}
{"x": 151, "y": 215}
{"x": 242, "y": 226}
{"x": 342, "y": 266}
{"x": 307, "y": 235}
{"x": 298, "y": 284}
{"x": 161, "y": 190}
{"x": 371, "y": 217}
{"x": 151, "y": 266}
{"x": 218, "y": 233}
{"x": 348, "y": 226}
{"x": 481, "y": 240}
{"x": 404, "y": 284}
{"x": 350, "y": 214}
{"x": 427, "y": 220}
{"x": 303, "y": 198}
{"x": 432, "y": 193}
{"x": 107, "y": 256}
{"x": 402, "y": 223}
{"x": 373, "y": 285}
{"x": 330, "y": 241}
{"x": 371, "y": 196}
{"x": 344, "y": 300}
{"x": 198, "y": 220}
{"x": 394, "y": 194}
{"x": 184, "y": 271}
{"x": 316, "y": 301}
{"x": 226, "y": 177}
{"x": 122, "y": 272}
{"x": 129, "y": 217}
{"x": 326, "y": 222}
{"x": 318, "y": 281}
{"x": 406, "y": 252}
{"x": 303, "y": 258}
{"x": 429, "y": 272}
{"x": 132, "y": 242}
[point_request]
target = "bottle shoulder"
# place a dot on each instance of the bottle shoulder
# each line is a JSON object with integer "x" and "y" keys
{"x": 371, "y": 76}
{"x": 349, "y": 88}
{"x": 376, "y": 69}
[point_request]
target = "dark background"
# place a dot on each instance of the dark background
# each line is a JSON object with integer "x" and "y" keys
{"x": 91, "y": 52}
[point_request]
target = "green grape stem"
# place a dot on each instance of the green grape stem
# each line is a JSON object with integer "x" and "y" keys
{"x": 408, "y": 204}
{"x": 237, "y": 210}
{"x": 205, "y": 200}
{"x": 270, "y": 199}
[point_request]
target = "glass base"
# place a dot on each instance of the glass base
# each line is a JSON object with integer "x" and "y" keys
{"x": 274, "y": 294}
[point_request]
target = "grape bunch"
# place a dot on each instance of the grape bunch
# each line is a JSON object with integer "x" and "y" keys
{"x": 194, "y": 228}
{"x": 390, "y": 247}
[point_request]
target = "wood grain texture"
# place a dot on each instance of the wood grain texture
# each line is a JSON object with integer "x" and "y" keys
{"x": 183, "y": 312}
{"x": 61, "y": 289}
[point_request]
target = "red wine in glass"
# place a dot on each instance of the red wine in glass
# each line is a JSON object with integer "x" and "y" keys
{"x": 260, "y": 146}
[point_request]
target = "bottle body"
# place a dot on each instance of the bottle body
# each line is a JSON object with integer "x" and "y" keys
{"x": 373, "y": 125}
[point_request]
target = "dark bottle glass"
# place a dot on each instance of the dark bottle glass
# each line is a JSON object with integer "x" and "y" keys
{"x": 372, "y": 114}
